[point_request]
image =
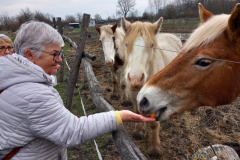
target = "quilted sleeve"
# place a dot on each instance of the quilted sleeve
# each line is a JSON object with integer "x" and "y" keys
{"x": 49, "y": 119}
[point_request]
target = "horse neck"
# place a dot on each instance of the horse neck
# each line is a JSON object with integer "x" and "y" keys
{"x": 119, "y": 36}
{"x": 168, "y": 46}
{"x": 159, "y": 61}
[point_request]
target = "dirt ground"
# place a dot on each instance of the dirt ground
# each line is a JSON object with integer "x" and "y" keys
{"x": 180, "y": 137}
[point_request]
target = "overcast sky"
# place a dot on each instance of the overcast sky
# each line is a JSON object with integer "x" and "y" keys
{"x": 61, "y": 8}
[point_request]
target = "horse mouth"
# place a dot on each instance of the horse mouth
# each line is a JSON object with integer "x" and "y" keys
{"x": 136, "y": 87}
{"x": 159, "y": 113}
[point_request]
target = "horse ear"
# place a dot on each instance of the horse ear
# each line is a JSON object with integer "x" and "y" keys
{"x": 233, "y": 28}
{"x": 97, "y": 29}
{"x": 157, "y": 25}
{"x": 114, "y": 27}
{"x": 203, "y": 13}
{"x": 125, "y": 24}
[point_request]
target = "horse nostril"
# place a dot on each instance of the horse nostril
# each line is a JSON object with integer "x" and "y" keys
{"x": 144, "y": 103}
{"x": 128, "y": 77}
{"x": 142, "y": 78}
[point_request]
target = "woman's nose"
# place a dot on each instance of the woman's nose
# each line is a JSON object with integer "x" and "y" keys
{"x": 59, "y": 59}
{"x": 7, "y": 50}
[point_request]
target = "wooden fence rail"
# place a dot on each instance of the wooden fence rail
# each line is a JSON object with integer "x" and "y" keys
{"x": 125, "y": 146}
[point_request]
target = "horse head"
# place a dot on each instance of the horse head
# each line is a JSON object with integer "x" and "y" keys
{"x": 106, "y": 37}
{"x": 139, "y": 43}
{"x": 206, "y": 73}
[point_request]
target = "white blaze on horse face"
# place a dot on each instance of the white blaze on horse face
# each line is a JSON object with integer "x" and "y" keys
{"x": 135, "y": 73}
{"x": 108, "y": 48}
{"x": 151, "y": 100}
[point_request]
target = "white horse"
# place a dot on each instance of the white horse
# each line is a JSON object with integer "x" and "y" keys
{"x": 146, "y": 52}
{"x": 111, "y": 38}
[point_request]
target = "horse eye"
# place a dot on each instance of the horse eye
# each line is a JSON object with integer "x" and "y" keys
{"x": 203, "y": 62}
{"x": 100, "y": 40}
{"x": 126, "y": 44}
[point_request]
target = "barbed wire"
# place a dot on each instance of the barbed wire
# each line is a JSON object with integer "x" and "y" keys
{"x": 224, "y": 60}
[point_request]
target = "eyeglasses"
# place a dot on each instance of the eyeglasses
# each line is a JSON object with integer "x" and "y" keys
{"x": 3, "y": 49}
{"x": 55, "y": 55}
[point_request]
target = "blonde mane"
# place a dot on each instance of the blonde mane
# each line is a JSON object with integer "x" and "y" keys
{"x": 107, "y": 30}
{"x": 207, "y": 32}
{"x": 119, "y": 36}
{"x": 138, "y": 29}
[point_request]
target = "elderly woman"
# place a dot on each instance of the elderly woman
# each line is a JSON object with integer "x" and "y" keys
{"x": 34, "y": 122}
{"x": 5, "y": 45}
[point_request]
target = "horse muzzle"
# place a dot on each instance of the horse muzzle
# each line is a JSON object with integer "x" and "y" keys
{"x": 147, "y": 110}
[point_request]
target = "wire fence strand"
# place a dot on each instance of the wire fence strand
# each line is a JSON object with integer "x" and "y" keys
{"x": 95, "y": 143}
{"x": 224, "y": 60}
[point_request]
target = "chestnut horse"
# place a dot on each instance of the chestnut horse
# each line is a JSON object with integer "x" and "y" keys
{"x": 111, "y": 38}
{"x": 146, "y": 52}
{"x": 206, "y": 73}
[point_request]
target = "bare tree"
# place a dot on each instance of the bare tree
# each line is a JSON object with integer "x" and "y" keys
{"x": 25, "y": 15}
{"x": 111, "y": 18}
{"x": 134, "y": 15}
{"x": 70, "y": 19}
{"x": 7, "y": 22}
{"x": 43, "y": 17}
{"x": 97, "y": 17}
{"x": 125, "y": 6}
{"x": 79, "y": 17}
{"x": 170, "y": 12}
{"x": 156, "y": 5}
{"x": 147, "y": 15}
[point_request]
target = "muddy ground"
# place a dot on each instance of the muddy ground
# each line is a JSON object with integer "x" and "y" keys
{"x": 180, "y": 137}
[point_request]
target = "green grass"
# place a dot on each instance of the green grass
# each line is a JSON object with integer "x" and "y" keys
{"x": 77, "y": 29}
{"x": 69, "y": 154}
{"x": 180, "y": 23}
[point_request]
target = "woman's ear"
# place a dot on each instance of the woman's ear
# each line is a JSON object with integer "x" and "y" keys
{"x": 28, "y": 54}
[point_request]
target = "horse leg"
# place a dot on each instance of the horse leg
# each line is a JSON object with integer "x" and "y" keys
{"x": 140, "y": 128}
{"x": 154, "y": 139}
{"x": 122, "y": 88}
{"x": 114, "y": 82}
{"x": 124, "y": 96}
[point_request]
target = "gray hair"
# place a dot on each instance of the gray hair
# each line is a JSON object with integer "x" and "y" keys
{"x": 35, "y": 34}
{"x": 3, "y": 35}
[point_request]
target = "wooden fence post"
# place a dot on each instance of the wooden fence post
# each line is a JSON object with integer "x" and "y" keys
{"x": 60, "y": 30}
{"x": 77, "y": 61}
{"x": 59, "y": 24}
{"x": 54, "y": 23}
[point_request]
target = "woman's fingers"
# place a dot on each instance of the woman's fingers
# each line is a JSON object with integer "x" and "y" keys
{"x": 129, "y": 116}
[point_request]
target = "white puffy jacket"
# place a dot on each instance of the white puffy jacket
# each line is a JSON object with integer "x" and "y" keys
{"x": 32, "y": 114}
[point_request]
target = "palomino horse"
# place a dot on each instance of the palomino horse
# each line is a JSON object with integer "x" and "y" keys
{"x": 144, "y": 57}
{"x": 206, "y": 73}
{"x": 111, "y": 38}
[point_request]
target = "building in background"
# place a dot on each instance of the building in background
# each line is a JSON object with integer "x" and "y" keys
{"x": 74, "y": 25}
{"x": 92, "y": 23}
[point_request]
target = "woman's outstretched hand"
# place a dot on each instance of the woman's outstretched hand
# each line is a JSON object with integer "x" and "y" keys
{"x": 129, "y": 116}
